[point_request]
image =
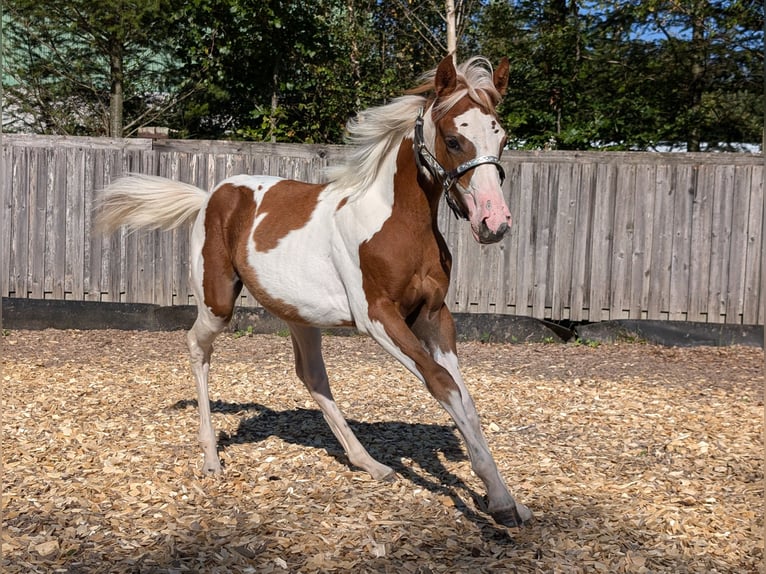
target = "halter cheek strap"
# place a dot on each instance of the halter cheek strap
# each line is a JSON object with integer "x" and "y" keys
{"x": 426, "y": 160}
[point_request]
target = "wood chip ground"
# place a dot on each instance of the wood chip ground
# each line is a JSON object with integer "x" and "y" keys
{"x": 634, "y": 459}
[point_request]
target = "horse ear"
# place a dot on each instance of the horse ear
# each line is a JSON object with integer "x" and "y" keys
{"x": 445, "y": 80}
{"x": 500, "y": 77}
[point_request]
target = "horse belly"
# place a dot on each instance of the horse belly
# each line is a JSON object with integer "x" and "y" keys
{"x": 299, "y": 293}
{"x": 297, "y": 280}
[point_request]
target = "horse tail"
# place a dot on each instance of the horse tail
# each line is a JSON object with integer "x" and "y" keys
{"x": 147, "y": 202}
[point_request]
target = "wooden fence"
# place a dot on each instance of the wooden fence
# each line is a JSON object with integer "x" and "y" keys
{"x": 596, "y": 236}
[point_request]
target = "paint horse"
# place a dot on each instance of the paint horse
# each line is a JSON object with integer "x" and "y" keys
{"x": 361, "y": 250}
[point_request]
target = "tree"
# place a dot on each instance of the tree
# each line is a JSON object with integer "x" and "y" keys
{"x": 441, "y": 24}
{"x": 629, "y": 75}
{"x": 606, "y": 74}
{"x": 712, "y": 76}
{"x": 293, "y": 71}
{"x": 83, "y": 67}
{"x": 546, "y": 42}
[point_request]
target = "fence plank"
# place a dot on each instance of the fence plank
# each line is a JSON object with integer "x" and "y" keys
{"x": 594, "y": 236}
{"x": 88, "y": 242}
{"x": 512, "y": 189}
{"x": 601, "y": 243}
{"x": 190, "y": 170}
{"x": 753, "y": 265}
{"x": 40, "y": 189}
{"x": 563, "y": 239}
{"x": 662, "y": 243}
{"x": 24, "y": 167}
{"x": 116, "y": 257}
{"x": 719, "y": 252}
{"x": 6, "y": 218}
{"x": 76, "y": 229}
{"x": 680, "y": 259}
{"x": 623, "y": 232}
{"x": 163, "y": 265}
{"x": 50, "y": 183}
{"x": 581, "y": 245}
{"x": 541, "y": 230}
{"x": 735, "y": 288}
{"x": 525, "y": 262}
{"x": 56, "y": 226}
{"x": 98, "y": 242}
{"x": 448, "y": 232}
{"x": 701, "y": 240}
{"x": 646, "y": 179}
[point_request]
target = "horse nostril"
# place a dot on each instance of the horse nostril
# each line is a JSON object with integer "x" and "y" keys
{"x": 486, "y": 235}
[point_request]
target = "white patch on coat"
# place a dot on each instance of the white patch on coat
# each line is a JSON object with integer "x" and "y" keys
{"x": 356, "y": 222}
{"x": 316, "y": 268}
{"x": 449, "y": 361}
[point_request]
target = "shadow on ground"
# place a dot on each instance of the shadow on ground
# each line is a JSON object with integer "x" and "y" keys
{"x": 387, "y": 441}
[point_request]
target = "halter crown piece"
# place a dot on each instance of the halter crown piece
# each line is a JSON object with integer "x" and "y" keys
{"x": 426, "y": 160}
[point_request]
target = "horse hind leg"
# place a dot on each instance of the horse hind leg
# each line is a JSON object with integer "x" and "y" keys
{"x": 199, "y": 340}
{"x": 215, "y": 305}
{"x": 310, "y": 368}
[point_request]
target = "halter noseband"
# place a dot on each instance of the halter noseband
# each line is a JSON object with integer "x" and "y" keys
{"x": 425, "y": 159}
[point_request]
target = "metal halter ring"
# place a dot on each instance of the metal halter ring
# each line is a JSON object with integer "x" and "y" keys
{"x": 425, "y": 159}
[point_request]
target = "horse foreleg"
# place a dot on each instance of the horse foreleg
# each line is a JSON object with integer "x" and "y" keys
{"x": 429, "y": 352}
{"x": 310, "y": 368}
{"x": 462, "y": 409}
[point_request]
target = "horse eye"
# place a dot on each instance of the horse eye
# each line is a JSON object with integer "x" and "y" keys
{"x": 453, "y": 144}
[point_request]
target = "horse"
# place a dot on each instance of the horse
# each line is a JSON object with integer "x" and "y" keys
{"x": 362, "y": 249}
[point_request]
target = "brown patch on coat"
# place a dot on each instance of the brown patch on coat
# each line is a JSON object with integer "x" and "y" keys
{"x": 405, "y": 275}
{"x": 286, "y": 206}
{"x": 407, "y": 260}
{"x": 228, "y": 220}
{"x": 228, "y": 216}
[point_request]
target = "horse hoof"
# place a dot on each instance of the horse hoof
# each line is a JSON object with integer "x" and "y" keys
{"x": 211, "y": 469}
{"x": 389, "y": 476}
{"x": 513, "y": 517}
{"x": 508, "y": 517}
{"x": 383, "y": 474}
{"x": 524, "y": 513}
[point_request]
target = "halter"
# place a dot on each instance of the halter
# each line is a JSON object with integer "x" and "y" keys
{"x": 425, "y": 159}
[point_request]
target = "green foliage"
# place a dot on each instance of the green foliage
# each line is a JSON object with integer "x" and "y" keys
{"x": 587, "y": 343}
{"x": 608, "y": 74}
{"x": 629, "y": 75}
{"x": 248, "y": 332}
{"x": 289, "y": 70}
{"x": 65, "y": 56}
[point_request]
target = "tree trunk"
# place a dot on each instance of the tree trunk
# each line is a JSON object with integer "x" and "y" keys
{"x": 116, "y": 95}
{"x": 451, "y": 28}
{"x": 356, "y": 71}
{"x": 274, "y": 105}
{"x": 696, "y": 85}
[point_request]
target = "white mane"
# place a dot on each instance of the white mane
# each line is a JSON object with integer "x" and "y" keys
{"x": 377, "y": 131}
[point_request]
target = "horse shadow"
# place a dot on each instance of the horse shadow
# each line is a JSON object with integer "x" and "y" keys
{"x": 387, "y": 441}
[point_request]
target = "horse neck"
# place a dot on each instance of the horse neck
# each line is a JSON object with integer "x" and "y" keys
{"x": 413, "y": 191}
